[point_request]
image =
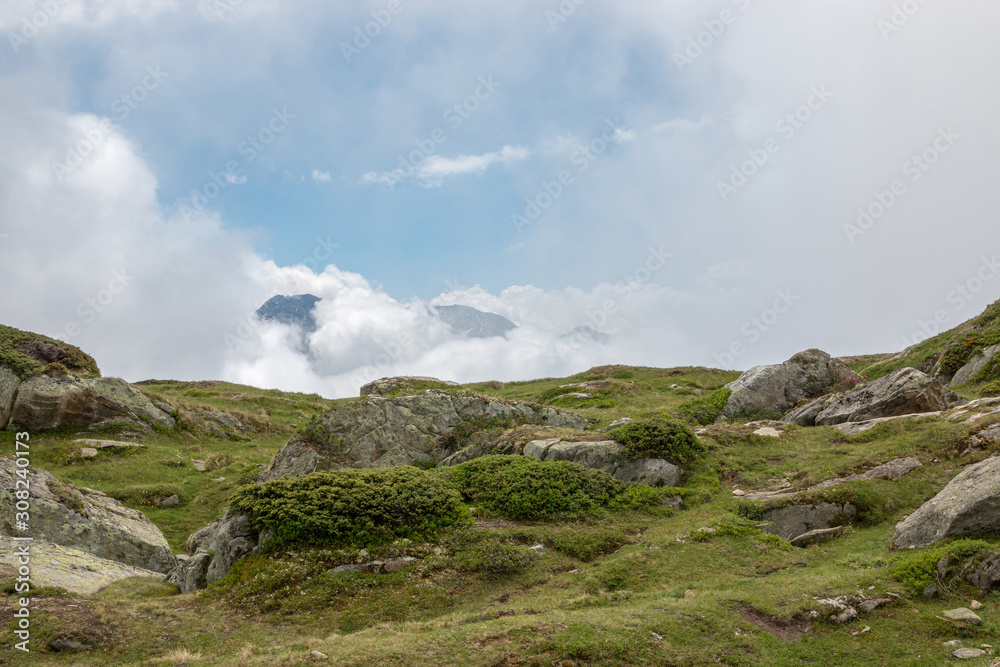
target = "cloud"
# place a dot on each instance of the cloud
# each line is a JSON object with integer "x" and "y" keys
{"x": 318, "y": 175}
{"x": 682, "y": 124}
{"x": 434, "y": 169}
{"x": 624, "y": 136}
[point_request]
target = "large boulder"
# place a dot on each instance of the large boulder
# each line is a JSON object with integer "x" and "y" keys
{"x": 213, "y": 550}
{"x": 797, "y": 520}
{"x": 778, "y": 387}
{"x": 49, "y": 401}
{"x": 383, "y": 432}
{"x": 974, "y": 365}
{"x": 606, "y": 455}
{"x": 83, "y": 519}
{"x": 9, "y": 384}
{"x": 407, "y": 382}
{"x": 970, "y": 503}
{"x": 906, "y": 391}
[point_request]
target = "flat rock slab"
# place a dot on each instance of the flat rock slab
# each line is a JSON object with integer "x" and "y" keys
{"x": 892, "y": 471}
{"x": 816, "y": 536}
{"x": 968, "y": 653}
{"x": 853, "y": 428}
{"x": 768, "y": 432}
{"x": 108, "y": 444}
{"x": 65, "y": 567}
{"x": 963, "y": 615}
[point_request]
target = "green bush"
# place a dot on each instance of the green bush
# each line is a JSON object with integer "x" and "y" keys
{"x": 495, "y": 557}
{"x": 706, "y": 409}
{"x": 917, "y": 570}
{"x": 659, "y": 437}
{"x": 586, "y": 545}
{"x": 522, "y": 487}
{"x": 353, "y": 507}
{"x": 15, "y": 346}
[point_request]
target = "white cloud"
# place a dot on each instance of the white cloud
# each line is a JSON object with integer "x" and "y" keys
{"x": 318, "y": 175}
{"x": 682, "y": 124}
{"x": 624, "y": 136}
{"x": 434, "y": 169}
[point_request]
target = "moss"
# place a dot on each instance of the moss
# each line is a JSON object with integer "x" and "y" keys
{"x": 15, "y": 345}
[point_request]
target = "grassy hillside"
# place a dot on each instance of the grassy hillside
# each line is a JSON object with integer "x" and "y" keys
{"x": 623, "y": 585}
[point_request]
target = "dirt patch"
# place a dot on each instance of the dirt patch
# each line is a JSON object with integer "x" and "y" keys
{"x": 787, "y": 630}
{"x": 68, "y": 617}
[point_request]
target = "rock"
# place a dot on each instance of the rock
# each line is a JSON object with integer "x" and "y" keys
{"x": 407, "y": 429}
{"x": 397, "y": 564}
{"x": 605, "y": 455}
{"x": 868, "y": 606}
{"x": 316, "y": 655}
{"x": 677, "y": 502}
{"x": 985, "y": 438}
{"x": 9, "y": 384}
{"x": 229, "y": 539}
{"x": 46, "y": 402}
{"x": 930, "y": 592}
{"x": 795, "y": 520}
{"x": 68, "y": 646}
{"x": 976, "y": 605}
{"x": 954, "y": 643}
{"x": 974, "y": 365}
{"x": 88, "y": 452}
{"x": 848, "y": 614}
{"x": 190, "y": 573}
{"x": 805, "y": 415}
{"x": 121, "y": 421}
{"x": 853, "y": 428}
{"x": 776, "y": 388}
{"x": 968, "y": 653}
{"x": 109, "y": 444}
{"x": 970, "y": 503}
{"x": 86, "y": 520}
{"x": 985, "y": 574}
{"x": 198, "y": 465}
{"x": 170, "y": 501}
{"x": 739, "y": 493}
{"x": 58, "y": 566}
{"x": 962, "y": 615}
{"x": 768, "y": 432}
{"x": 891, "y": 471}
{"x": 386, "y": 385}
{"x": 652, "y": 472}
{"x": 214, "y": 422}
{"x": 816, "y": 536}
{"x": 906, "y": 391}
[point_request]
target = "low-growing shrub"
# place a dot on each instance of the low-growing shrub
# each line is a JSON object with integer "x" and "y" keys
{"x": 706, "y": 409}
{"x": 918, "y": 569}
{"x": 495, "y": 557}
{"x": 640, "y": 496}
{"x": 586, "y": 545}
{"x": 353, "y": 507}
{"x": 481, "y": 428}
{"x": 522, "y": 487}
{"x": 659, "y": 437}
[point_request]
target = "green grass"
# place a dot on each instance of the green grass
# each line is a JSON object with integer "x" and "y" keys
{"x": 636, "y": 583}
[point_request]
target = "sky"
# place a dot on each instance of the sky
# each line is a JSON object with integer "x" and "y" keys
{"x": 711, "y": 183}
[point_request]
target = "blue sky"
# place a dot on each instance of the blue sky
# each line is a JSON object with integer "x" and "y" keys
{"x": 740, "y": 138}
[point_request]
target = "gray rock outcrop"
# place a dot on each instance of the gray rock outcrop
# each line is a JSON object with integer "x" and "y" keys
{"x": 778, "y": 387}
{"x": 84, "y": 519}
{"x": 974, "y": 365}
{"x": 384, "y": 432}
{"x": 906, "y": 391}
{"x": 9, "y": 384}
{"x": 970, "y": 503}
{"x": 213, "y": 550}
{"x": 386, "y": 385}
{"x": 46, "y": 402}
{"x": 605, "y": 455}
{"x": 796, "y": 520}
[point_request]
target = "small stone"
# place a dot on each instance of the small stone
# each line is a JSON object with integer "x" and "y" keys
{"x": 198, "y": 465}
{"x": 930, "y": 592}
{"x": 219, "y": 479}
{"x": 954, "y": 643}
{"x": 316, "y": 655}
{"x": 88, "y": 452}
{"x": 397, "y": 564}
{"x": 171, "y": 501}
{"x": 976, "y": 605}
{"x": 963, "y": 615}
{"x": 969, "y": 653}
{"x": 674, "y": 501}
{"x": 869, "y": 606}
{"x": 768, "y": 432}
{"x": 848, "y": 614}
{"x": 738, "y": 493}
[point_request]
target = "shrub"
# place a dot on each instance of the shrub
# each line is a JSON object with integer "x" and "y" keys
{"x": 496, "y": 557}
{"x": 659, "y": 437}
{"x": 521, "y": 487}
{"x": 473, "y": 430}
{"x": 706, "y": 409}
{"x": 353, "y": 507}
{"x": 622, "y": 374}
{"x": 586, "y": 545}
{"x": 918, "y": 570}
